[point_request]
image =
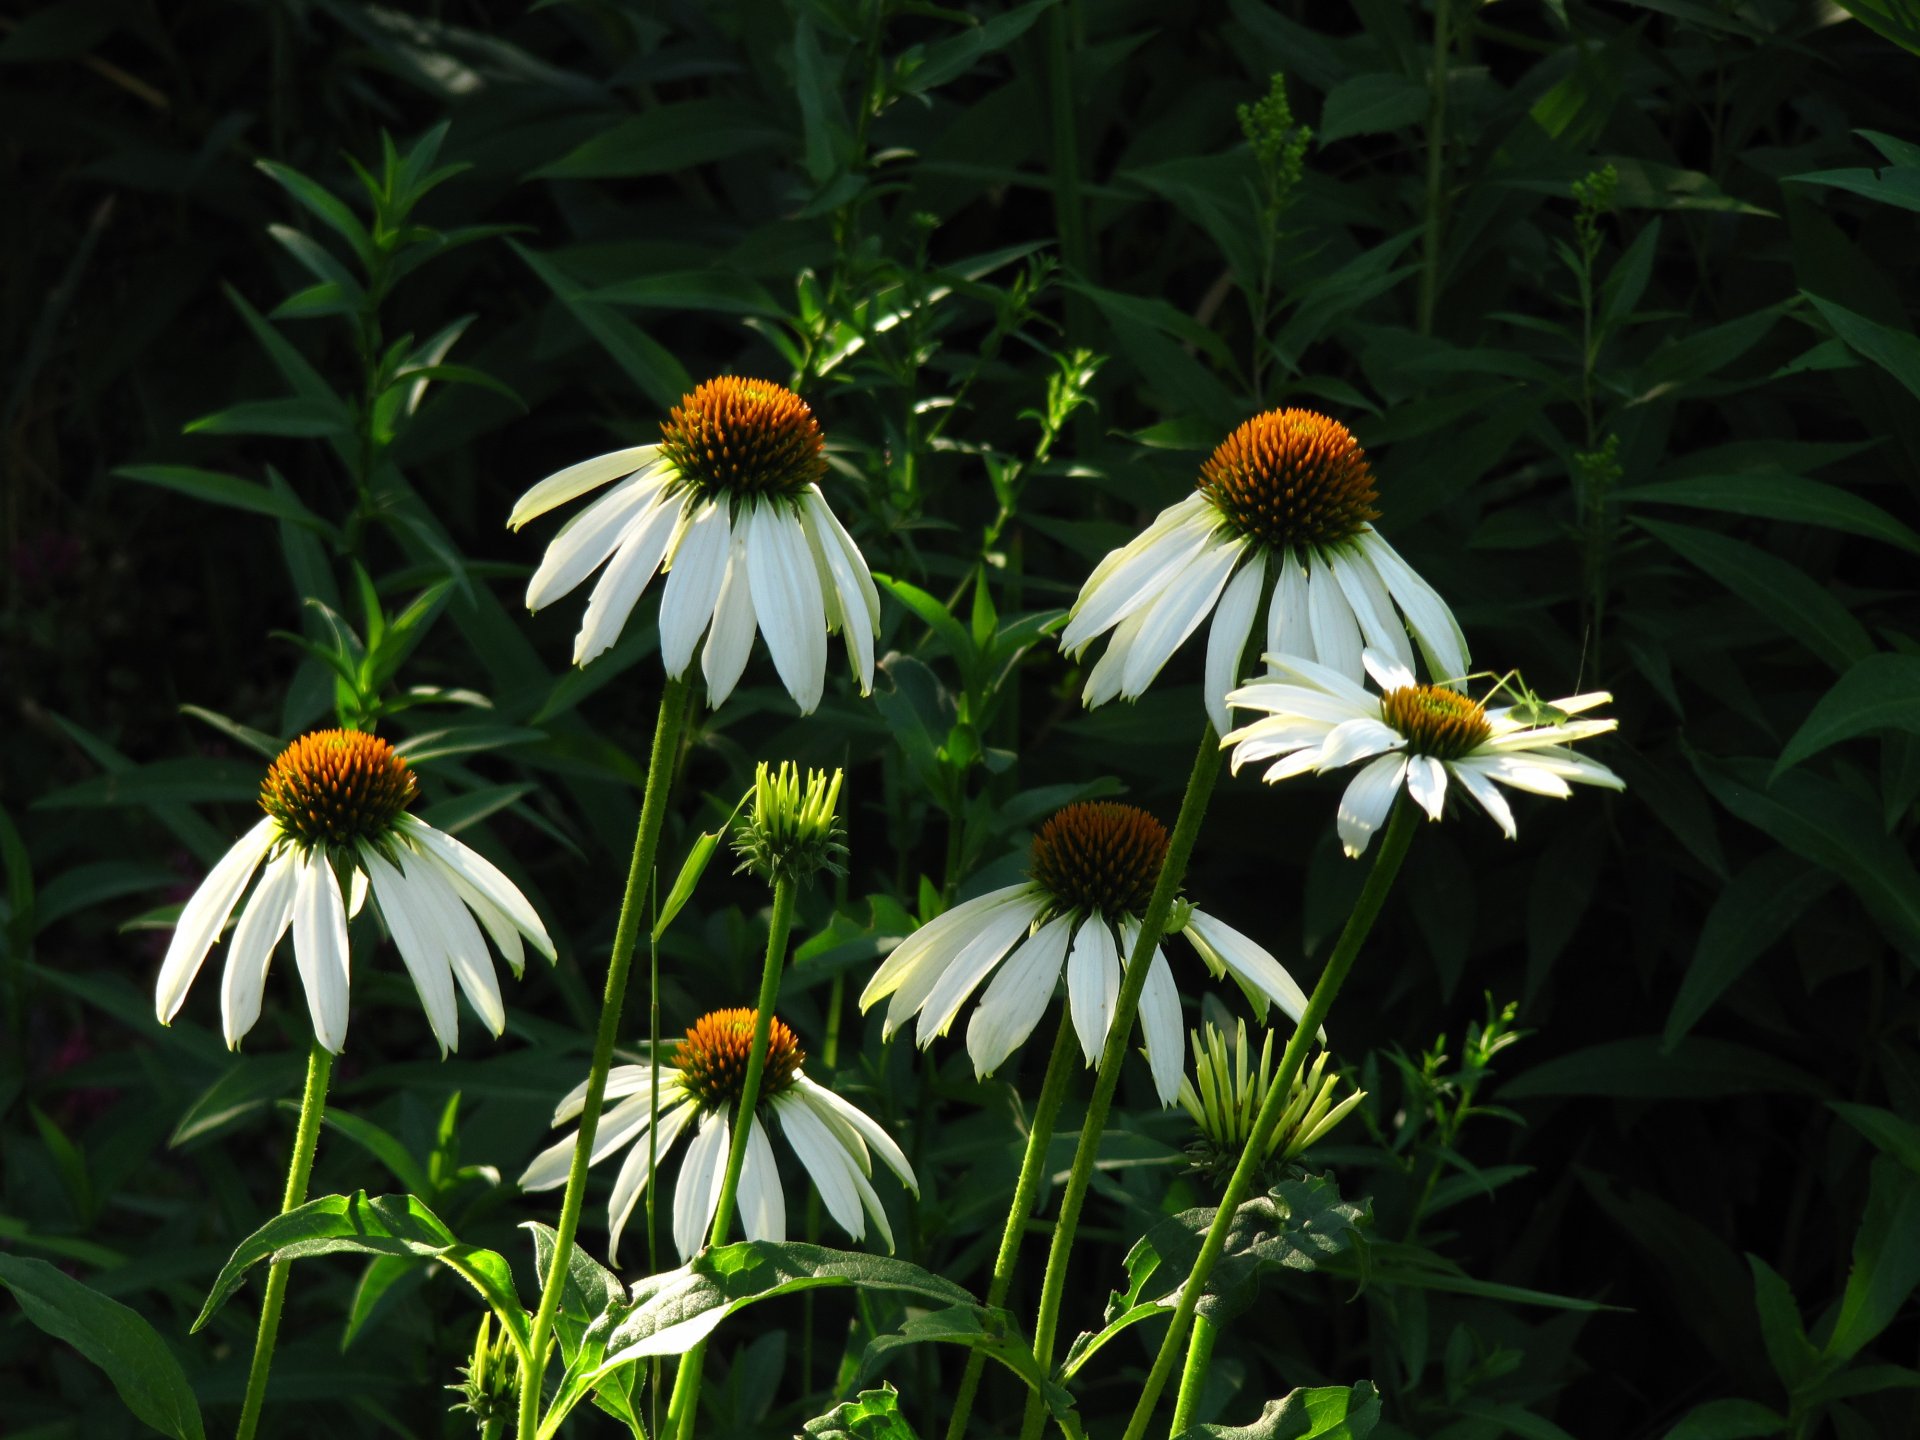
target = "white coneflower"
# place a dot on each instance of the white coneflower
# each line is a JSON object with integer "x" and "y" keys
{"x": 336, "y": 805}
{"x": 1288, "y": 497}
{"x": 1413, "y": 735}
{"x": 729, "y": 508}
{"x": 700, "y": 1087}
{"x": 1093, "y": 870}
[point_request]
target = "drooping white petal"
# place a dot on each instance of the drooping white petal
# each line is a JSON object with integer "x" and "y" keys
{"x": 1428, "y": 617}
{"x": 945, "y": 936}
{"x": 1093, "y": 984}
{"x": 864, "y": 1125}
{"x": 1353, "y": 740}
{"x": 584, "y": 542}
{"x": 1193, "y": 505}
{"x": 1368, "y": 798}
{"x": 852, "y": 584}
{"x": 763, "y": 1204}
{"x": 1289, "y": 627}
{"x": 786, "y": 597}
{"x": 696, "y": 1193}
{"x": 643, "y": 544}
{"x": 622, "y": 1080}
{"x": 993, "y": 935}
{"x": 423, "y": 950}
{"x": 630, "y": 1183}
{"x": 618, "y": 1124}
{"x": 1321, "y": 678}
{"x": 1488, "y": 794}
{"x": 1017, "y": 998}
{"x": 693, "y": 585}
{"x": 1160, "y": 1027}
{"x": 1336, "y": 634}
{"x": 823, "y": 1158}
{"x": 830, "y": 525}
{"x": 1137, "y": 572}
{"x": 1427, "y": 784}
{"x": 484, "y": 876}
{"x": 1103, "y": 681}
{"x": 268, "y": 914}
{"x": 1226, "y": 949}
{"x": 577, "y": 480}
{"x": 205, "y": 915}
{"x": 1227, "y": 637}
{"x": 1518, "y": 772}
{"x": 466, "y": 950}
{"x": 1372, "y": 605}
{"x": 320, "y": 948}
{"x": 1178, "y": 613}
{"x": 730, "y": 638}
{"x": 1386, "y": 671}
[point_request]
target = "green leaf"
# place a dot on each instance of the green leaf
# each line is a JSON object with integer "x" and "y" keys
{"x": 590, "y": 1292}
{"x": 1325, "y": 1412}
{"x": 1892, "y": 1135}
{"x": 1781, "y": 1328}
{"x": 647, "y": 363}
{"x": 953, "y": 57}
{"x": 1748, "y": 917}
{"x": 251, "y": 1084}
{"x": 1778, "y": 589}
{"x": 948, "y": 630}
{"x": 357, "y": 1225}
{"x": 870, "y": 1415}
{"x": 143, "y": 1370}
{"x": 195, "y": 781}
{"x": 1886, "y": 1260}
{"x": 1894, "y": 351}
{"x": 1881, "y": 692}
{"x": 228, "y": 490}
{"x": 1895, "y": 19}
{"x": 1728, "y": 1420}
{"x": 1371, "y": 105}
{"x": 322, "y": 204}
{"x": 1779, "y": 496}
{"x": 993, "y": 1333}
{"x": 691, "y": 870}
{"x": 669, "y": 138}
{"x": 309, "y": 419}
{"x": 1645, "y": 1067}
{"x": 382, "y": 1146}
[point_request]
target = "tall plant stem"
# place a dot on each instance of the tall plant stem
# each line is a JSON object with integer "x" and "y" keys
{"x": 1113, "y": 1056}
{"x": 646, "y": 840}
{"x": 1386, "y": 865}
{"x": 1436, "y": 165}
{"x": 686, "y": 1382}
{"x": 1193, "y": 1378}
{"x": 1033, "y": 1169}
{"x": 313, "y": 1106}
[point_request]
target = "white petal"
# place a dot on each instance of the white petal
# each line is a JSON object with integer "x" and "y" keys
{"x": 1160, "y": 1027}
{"x": 1428, "y": 617}
{"x": 787, "y": 598}
{"x": 863, "y": 1124}
{"x": 1136, "y": 573}
{"x": 992, "y": 938}
{"x": 577, "y": 480}
{"x": 423, "y": 950}
{"x": 466, "y": 950}
{"x": 1289, "y": 627}
{"x": 1353, "y": 740}
{"x": 1517, "y": 772}
{"x": 696, "y": 1193}
{"x": 1227, "y": 639}
{"x": 643, "y": 544}
{"x": 268, "y": 914}
{"x": 1372, "y": 605}
{"x": 1225, "y": 948}
{"x": 1017, "y": 998}
{"x": 356, "y": 893}
{"x": 945, "y": 934}
{"x": 1103, "y": 681}
{"x": 482, "y": 875}
{"x": 1488, "y": 794}
{"x": 859, "y": 601}
{"x": 1386, "y": 671}
{"x": 1364, "y": 807}
{"x": 1093, "y": 984}
{"x": 762, "y": 1203}
{"x": 1427, "y": 784}
{"x": 584, "y": 542}
{"x": 622, "y": 1080}
{"x": 830, "y": 525}
{"x": 630, "y": 1183}
{"x": 693, "y": 585}
{"x": 1177, "y": 614}
{"x": 823, "y": 1158}
{"x": 1317, "y": 677}
{"x": 320, "y": 948}
{"x": 205, "y": 915}
{"x": 731, "y": 637}
{"x": 1193, "y": 506}
{"x": 1336, "y": 634}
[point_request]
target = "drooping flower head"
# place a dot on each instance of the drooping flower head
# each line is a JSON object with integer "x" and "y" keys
{"x": 728, "y": 507}
{"x": 700, "y": 1086}
{"x": 1227, "y": 1092}
{"x": 1093, "y": 868}
{"x": 1289, "y": 498}
{"x": 336, "y": 807}
{"x": 1411, "y": 735}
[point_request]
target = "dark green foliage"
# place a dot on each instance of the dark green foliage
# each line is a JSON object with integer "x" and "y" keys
{"x": 1622, "y": 300}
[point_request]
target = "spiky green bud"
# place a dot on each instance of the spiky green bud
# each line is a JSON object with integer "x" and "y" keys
{"x": 792, "y": 830}
{"x": 1227, "y": 1091}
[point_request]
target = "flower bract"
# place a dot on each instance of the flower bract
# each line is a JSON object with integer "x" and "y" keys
{"x": 728, "y": 507}
{"x": 336, "y": 810}
{"x": 1227, "y": 1092}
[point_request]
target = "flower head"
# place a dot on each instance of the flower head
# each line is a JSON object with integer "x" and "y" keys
{"x": 1093, "y": 869}
{"x": 1287, "y": 498}
{"x": 1411, "y": 735}
{"x": 700, "y": 1086}
{"x": 728, "y": 507}
{"x": 1227, "y": 1092}
{"x": 336, "y": 807}
{"x": 791, "y": 830}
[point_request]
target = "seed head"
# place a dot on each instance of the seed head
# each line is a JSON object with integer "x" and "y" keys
{"x": 1291, "y": 477}
{"x": 713, "y": 1057}
{"x": 1100, "y": 856}
{"x": 337, "y": 787}
{"x": 1436, "y": 721}
{"x": 748, "y": 438}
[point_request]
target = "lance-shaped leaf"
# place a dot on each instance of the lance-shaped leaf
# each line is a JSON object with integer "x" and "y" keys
{"x": 1325, "y": 1412}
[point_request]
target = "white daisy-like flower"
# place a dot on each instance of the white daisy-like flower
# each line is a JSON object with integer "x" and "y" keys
{"x": 1411, "y": 735}
{"x": 1287, "y": 497}
{"x": 336, "y": 806}
{"x": 700, "y": 1090}
{"x": 1093, "y": 870}
{"x": 728, "y": 507}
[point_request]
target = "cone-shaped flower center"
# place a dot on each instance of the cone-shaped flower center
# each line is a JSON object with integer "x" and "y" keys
{"x": 713, "y": 1057}
{"x": 1436, "y": 721}
{"x": 337, "y": 787}
{"x": 1291, "y": 477}
{"x": 732, "y": 436}
{"x": 1100, "y": 856}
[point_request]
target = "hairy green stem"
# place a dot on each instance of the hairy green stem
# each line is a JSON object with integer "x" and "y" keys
{"x": 1386, "y": 865}
{"x": 1193, "y": 1378}
{"x": 646, "y": 840}
{"x": 1113, "y": 1056}
{"x": 685, "y": 1403}
{"x": 313, "y": 1108}
{"x": 1033, "y": 1169}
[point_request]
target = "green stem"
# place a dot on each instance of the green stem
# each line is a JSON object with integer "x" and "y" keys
{"x": 646, "y": 840}
{"x": 313, "y": 1106}
{"x": 1436, "y": 157}
{"x": 685, "y": 1403}
{"x": 1033, "y": 1169}
{"x": 1193, "y": 1378}
{"x": 1113, "y": 1056}
{"x": 1393, "y": 849}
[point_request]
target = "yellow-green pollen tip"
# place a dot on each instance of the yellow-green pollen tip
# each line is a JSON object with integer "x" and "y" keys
{"x": 713, "y": 1057}
{"x": 1436, "y": 721}
{"x": 1291, "y": 478}
{"x": 748, "y": 438}
{"x": 337, "y": 787}
{"x": 1099, "y": 856}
